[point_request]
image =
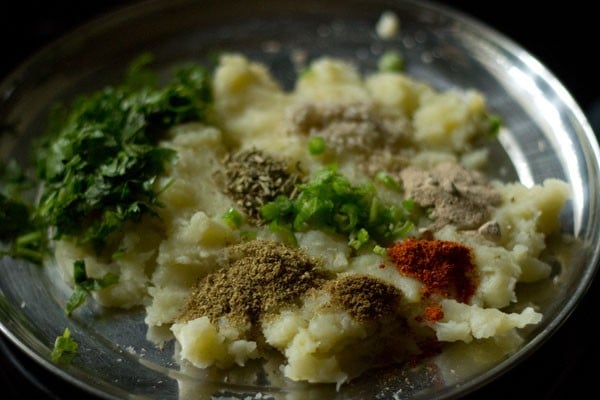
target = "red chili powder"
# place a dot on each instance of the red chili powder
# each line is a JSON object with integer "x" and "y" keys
{"x": 444, "y": 267}
{"x": 433, "y": 313}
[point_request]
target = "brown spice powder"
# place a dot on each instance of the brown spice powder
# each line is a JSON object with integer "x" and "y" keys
{"x": 364, "y": 297}
{"x": 259, "y": 278}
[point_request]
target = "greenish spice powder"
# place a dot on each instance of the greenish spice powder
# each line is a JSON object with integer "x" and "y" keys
{"x": 260, "y": 277}
{"x": 254, "y": 179}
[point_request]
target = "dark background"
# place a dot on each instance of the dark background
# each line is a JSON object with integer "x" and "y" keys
{"x": 562, "y": 35}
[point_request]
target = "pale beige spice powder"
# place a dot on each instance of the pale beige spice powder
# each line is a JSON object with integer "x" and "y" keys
{"x": 457, "y": 196}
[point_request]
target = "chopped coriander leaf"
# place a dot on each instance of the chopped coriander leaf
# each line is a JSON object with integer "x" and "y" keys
{"x": 391, "y": 61}
{"x": 233, "y": 218}
{"x": 65, "y": 348}
{"x": 84, "y": 285}
{"x": 330, "y": 202}
{"x": 495, "y": 124}
{"x": 316, "y": 145}
{"x": 100, "y": 160}
{"x": 77, "y": 299}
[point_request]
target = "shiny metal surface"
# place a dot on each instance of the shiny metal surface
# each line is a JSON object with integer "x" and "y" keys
{"x": 547, "y": 136}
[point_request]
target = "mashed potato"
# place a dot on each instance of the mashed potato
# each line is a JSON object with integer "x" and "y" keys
{"x": 331, "y": 303}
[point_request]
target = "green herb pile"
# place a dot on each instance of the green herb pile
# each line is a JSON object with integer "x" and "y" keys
{"x": 65, "y": 348}
{"x": 96, "y": 167}
{"x": 101, "y": 160}
{"x": 98, "y": 162}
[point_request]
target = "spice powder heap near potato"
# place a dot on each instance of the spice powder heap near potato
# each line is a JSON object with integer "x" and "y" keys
{"x": 343, "y": 225}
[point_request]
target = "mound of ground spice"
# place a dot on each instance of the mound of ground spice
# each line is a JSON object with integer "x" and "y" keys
{"x": 259, "y": 278}
{"x": 458, "y": 196}
{"x": 444, "y": 267}
{"x": 364, "y": 297}
{"x": 356, "y": 128}
{"x": 345, "y": 127}
{"x": 254, "y": 179}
